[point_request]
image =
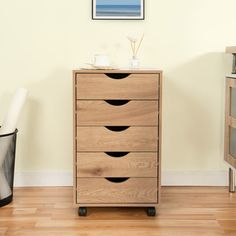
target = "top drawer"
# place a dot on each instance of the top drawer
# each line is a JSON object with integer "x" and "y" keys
{"x": 117, "y": 86}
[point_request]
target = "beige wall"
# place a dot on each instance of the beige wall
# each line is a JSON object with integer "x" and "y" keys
{"x": 41, "y": 42}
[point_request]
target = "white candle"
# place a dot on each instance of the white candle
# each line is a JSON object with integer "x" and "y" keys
{"x": 9, "y": 125}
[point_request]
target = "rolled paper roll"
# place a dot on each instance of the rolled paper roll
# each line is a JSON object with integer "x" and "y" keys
{"x": 10, "y": 122}
{"x": 9, "y": 125}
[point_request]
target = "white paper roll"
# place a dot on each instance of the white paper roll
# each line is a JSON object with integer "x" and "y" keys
{"x": 10, "y": 122}
{"x": 9, "y": 125}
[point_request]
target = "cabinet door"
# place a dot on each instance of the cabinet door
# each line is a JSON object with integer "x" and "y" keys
{"x": 230, "y": 122}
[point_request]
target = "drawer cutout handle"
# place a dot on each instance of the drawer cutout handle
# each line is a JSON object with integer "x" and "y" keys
{"x": 117, "y": 75}
{"x": 117, "y": 180}
{"x": 117, "y": 102}
{"x": 117, "y": 128}
{"x": 117, "y": 154}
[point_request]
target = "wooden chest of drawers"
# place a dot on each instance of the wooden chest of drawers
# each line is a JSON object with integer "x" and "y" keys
{"x": 117, "y": 145}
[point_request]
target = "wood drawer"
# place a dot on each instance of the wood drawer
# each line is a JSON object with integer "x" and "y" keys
{"x": 112, "y": 112}
{"x": 100, "y": 164}
{"x": 102, "y": 86}
{"x": 104, "y": 140}
{"x": 100, "y": 190}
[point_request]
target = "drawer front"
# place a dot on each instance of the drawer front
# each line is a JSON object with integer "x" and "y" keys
{"x": 102, "y": 86}
{"x": 114, "y": 112}
{"x": 101, "y": 190}
{"x": 104, "y": 140}
{"x": 117, "y": 164}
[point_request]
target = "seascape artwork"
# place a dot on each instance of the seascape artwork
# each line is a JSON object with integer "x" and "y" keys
{"x": 118, "y": 9}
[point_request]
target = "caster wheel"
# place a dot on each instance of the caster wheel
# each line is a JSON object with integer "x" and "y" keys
{"x": 151, "y": 211}
{"x": 82, "y": 211}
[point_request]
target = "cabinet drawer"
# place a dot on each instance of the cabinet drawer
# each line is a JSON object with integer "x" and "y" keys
{"x": 117, "y": 164}
{"x": 101, "y": 190}
{"x": 117, "y": 112}
{"x": 103, "y": 86}
{"x": 105, "y": 140}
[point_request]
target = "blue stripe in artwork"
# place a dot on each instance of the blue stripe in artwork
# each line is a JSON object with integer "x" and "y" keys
{"x": 118, "y": 2}
{"x": 118, "y": 10}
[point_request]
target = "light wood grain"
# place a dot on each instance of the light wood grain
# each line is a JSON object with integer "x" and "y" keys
{"x": 229, "y": 122}
{"x": 100, "y": 190}
{"x": 231, "y": 82}
{"x": 132, "y": 139}
{"x": 100, "y": 86}
{"x": 231, "y": 49}
{"x": 231, "y": 160}
{"x": 184, "y": 211}
{"x": 144, "y": 113}
{"x": 227, "y": 114}
{"x": 159, "y": 157}
{"x": 143, "y": 89}
{"x": 232, "y": 122}
{"x": 74, "y": 136}
{"x": 130, "y": 71}
{"x": 102, "y": 165}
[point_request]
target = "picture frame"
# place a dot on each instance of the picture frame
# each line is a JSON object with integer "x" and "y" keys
{"x": 118, "y": 9}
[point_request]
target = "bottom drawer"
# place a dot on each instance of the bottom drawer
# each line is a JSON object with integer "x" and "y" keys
{"x": 116, "y": 190}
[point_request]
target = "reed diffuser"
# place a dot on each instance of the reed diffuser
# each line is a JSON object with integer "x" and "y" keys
{"x": 135, "y": 46}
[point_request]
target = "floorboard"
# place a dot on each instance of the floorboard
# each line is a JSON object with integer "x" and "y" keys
{"x": 190, "y": 211}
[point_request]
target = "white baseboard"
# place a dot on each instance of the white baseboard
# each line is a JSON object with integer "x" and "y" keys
{"x": 195, "y": 178}
{"x": 169, "y": 178}
{"x": 44, "y": 178}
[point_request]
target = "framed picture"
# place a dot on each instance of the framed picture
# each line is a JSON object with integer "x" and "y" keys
{"x": 118, "y": 9}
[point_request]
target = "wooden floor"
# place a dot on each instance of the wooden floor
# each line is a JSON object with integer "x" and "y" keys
{"x": 183, "y": 211}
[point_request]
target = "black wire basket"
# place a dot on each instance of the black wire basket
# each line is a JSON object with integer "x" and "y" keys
{"x": 8, "y": 165}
